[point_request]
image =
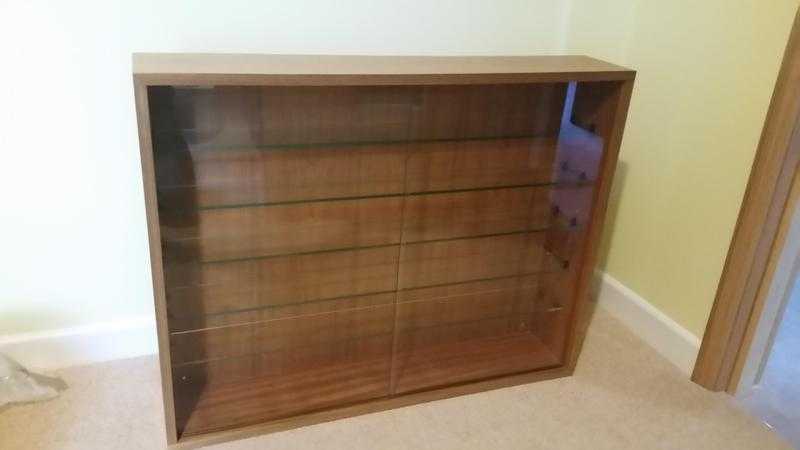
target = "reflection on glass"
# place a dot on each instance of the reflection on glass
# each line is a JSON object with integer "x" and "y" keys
{"x": 329, "y": 245}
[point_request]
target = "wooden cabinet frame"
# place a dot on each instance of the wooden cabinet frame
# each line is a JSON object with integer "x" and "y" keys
{"x": 601, "y": 98}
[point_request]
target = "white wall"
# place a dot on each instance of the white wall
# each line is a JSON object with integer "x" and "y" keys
{"x": 73, "y": 247}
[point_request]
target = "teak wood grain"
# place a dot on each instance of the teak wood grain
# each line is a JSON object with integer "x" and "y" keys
{"x": 251, "y": 69}
{"x": 337, "y": 235}
{"x": 259, "y": 289}
{"x": 468, "y": 259}
{"x": 258, "y": 231}
{"x": 279, "y": 334}
{"x": 311, "y": 115}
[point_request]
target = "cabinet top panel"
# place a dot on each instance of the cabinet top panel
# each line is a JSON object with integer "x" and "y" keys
{"x": 285, "y": 70}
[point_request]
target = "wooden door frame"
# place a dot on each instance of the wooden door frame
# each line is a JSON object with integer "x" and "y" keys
{"x": 756, "y": 243}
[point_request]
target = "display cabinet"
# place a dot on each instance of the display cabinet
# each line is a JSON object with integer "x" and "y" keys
{"x": 334, "y": 235}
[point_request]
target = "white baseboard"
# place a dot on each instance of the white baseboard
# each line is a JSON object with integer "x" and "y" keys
{"x": 666, "y": 336}
{"x": 82, "y": 345}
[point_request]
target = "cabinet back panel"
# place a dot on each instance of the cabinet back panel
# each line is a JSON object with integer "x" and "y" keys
{"x": 276, "y": 285}
{"x": 475, "y": 213}
{"x": 470, "y": 360}
{"x": 246, "y": 176}
{"x": 270, "y": 116}
{"x": 456, "y": 261}
{"x": 282, "y": 334}
{"x": 266, "y": 398}
{"x": 481, "y": 163}
{"x": 239, "y": 176}
{"x": 198, "y": 321}
{"x": 251, "y": 232}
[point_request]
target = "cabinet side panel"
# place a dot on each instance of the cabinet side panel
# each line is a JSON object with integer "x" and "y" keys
{"x": 154, "y": 236}
{"x": 602, "y": 108}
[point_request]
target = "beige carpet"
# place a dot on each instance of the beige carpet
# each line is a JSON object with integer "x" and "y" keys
{"x": 623, "y": 396}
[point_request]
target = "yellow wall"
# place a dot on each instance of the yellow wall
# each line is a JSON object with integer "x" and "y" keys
{"x": 706, "y": 71}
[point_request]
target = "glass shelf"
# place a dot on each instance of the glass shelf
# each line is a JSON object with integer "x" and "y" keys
{"x": 577, "y": 180}
{"x": 561, "y": 224}
{"x": 274, "y": 312}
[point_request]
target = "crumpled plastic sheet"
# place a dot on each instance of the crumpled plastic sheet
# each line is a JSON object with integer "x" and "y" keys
{"x": 17, "y": 385}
